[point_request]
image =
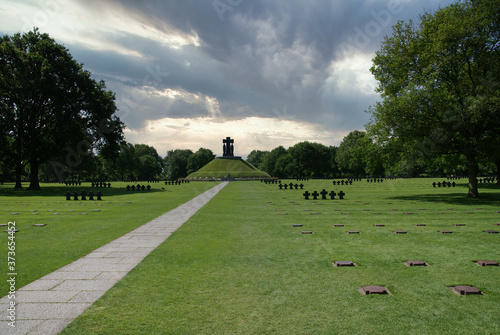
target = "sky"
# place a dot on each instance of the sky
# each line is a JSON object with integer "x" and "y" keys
{"x": 188, "y": 73}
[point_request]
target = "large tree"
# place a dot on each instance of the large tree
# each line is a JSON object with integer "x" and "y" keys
{"x": 50, "y": 107}
{"x": 199, "y": 159}
{"x": 176, "y": 162}
{"x": 256, "y": 157}
{"x": 352, "y": 153}
{"x": 269, "y": 162}
{"x": 439, "y": 80}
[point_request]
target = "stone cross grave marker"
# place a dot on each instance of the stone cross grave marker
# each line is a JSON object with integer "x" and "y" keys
{"x": 323, "y": 194}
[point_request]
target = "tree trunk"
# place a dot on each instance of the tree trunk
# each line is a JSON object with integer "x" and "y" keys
{"x": 497, "y": 162}
{"x": 19, "y": 173}
{"x": 473, "y": 171}
{"x": 34, "y": 181}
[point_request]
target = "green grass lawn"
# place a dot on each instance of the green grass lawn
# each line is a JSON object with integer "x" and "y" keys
{"x": 239, "y": 267}
{"x": 75, "y": 228}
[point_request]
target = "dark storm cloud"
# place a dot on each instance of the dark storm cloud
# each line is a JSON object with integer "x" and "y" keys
{"x": 256, "y": 57}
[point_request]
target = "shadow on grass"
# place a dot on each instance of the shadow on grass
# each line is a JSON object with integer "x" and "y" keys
{"x": 51, "y": 190}
{"x": 454, "y": 198}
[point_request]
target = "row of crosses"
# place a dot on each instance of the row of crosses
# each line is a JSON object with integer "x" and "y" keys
{"x": 323, "y": 194}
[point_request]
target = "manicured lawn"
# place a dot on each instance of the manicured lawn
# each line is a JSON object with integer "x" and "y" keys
{"x": 238, "y": 267}
{"x": 75, "y": 228}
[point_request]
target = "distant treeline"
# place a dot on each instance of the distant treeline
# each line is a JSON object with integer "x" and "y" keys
{"x": 357, "y": 156}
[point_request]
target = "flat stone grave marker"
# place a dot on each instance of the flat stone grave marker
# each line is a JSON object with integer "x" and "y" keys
{"x": 400, "y": 232}
{"x": 338, "y": 225}
{"x": 445, "y": 232}
{"x": 343, "y": 263}
{"x": 491, "y": 231}
{"x": 297, "y": 225}
{"x": 39, "y": 225}
{"x": 415, "y": 263}
{"x": 379, "y": 225}
{"x": 306, "y": 232}
{"x": 420, "y": 224}
{"x": 374, "y": 289}
{"x": 353, "y": 232}
{"x": 487, "y": 263}
{"x": 459, "y": 224}
{"x": 314, "y": 213}
{"x": 465, "y": 290}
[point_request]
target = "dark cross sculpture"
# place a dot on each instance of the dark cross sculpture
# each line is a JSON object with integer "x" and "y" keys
{"x": 341, "y": 195}
{"x": 291, "y": 186}
{"x": 323, "y": 194}
{"x": 332, "y": 195}
{"x": 315, "y": 195}
{"x": 306, "y": 195}
{"x": 228, "y": 147}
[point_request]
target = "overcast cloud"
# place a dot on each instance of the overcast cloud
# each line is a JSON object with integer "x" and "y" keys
{"x": 188, "y": 73}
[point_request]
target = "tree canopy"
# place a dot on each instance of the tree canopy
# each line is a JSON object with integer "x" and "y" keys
{"x": 439, "y": 82}
{"x": 50, "y": 108}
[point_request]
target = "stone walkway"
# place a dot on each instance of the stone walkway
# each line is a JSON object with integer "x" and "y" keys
{"x": 47, "y": 305}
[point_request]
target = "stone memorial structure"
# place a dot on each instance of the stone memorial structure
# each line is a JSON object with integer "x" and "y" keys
{"x": 228, "y": 149}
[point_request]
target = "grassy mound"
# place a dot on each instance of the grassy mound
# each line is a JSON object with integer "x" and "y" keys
{"x": 237, "y": 168}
